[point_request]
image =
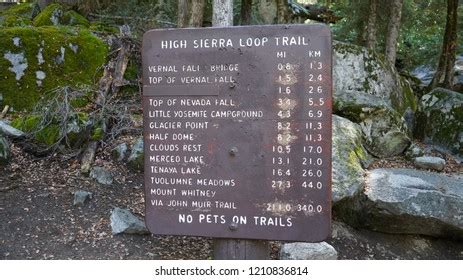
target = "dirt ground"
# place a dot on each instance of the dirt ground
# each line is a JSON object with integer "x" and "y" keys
{"x": 39, "y": 221}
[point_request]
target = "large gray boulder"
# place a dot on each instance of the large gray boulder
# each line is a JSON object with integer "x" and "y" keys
{"x": 410, "y": 202}
{"x": 349, "y": 159}
{"x": 385, "y": 134}
{"x": 123, "y": 221}
{"x": 365, "y": 83}
{"x": 308, "y": 251}
{"x": 369, "y": 91}
{"x": 441, "y": 120}
{"x": 4, "y": 151}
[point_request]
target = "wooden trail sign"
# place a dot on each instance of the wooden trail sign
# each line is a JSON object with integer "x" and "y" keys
{"x": 237, "y": 131}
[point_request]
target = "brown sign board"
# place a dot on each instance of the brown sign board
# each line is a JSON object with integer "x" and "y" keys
{"x": 237, "y": 132}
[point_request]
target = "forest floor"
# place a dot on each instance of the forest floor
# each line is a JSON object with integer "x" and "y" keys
{"x": 39, "y": 220}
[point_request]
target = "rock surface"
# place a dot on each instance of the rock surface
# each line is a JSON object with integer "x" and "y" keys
{"x": 136, "y": 158}
{"x": 123, "y": 221}
{"x": 362, "y": 244}
{"x": 385, "y": 134}
{"x": 80, "y": 197}
{"x": 408, "y": 201}
{"x": 434, "y": 163}
{"x": 413, "y": 151}
{"x": 4, "y": 151}
{"x": 35, "y": 60}
{"x": 119, "y": 152}
{"x": 308, "y": 251}
{"x": 101, "y": 175}
{"x": 349, "y": 158}
{"x": 364, "y": 83}
{"x": 56, "y": 14}
{"x": 10, "y": 131}
{"x": 441, "y": 119}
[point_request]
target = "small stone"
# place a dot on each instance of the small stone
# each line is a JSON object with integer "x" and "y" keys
{"x": 101, "y": 175}
{"x": 80, "y": 197}
{"x": 308, "y": 251}
{"x": 434, "y": 163}
{"x": 119, "y": 152}
{"x": 10, "y": 131}
{"x": 413, "y": 151}
{"x": 123, "y": 221}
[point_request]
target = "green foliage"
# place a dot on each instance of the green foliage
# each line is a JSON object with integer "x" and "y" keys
{"x": 140, "y": 15}
{"x": 421, "y": 34}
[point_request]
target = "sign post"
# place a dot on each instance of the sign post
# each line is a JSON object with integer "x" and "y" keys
{"x": 237, "y": 131}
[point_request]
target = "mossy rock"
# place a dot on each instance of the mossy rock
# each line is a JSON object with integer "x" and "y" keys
{"x": 35, "y": 60}
{"x": 77, "y": 130}
{"x": 441, "y": 119}
{"x": 99, "y": 26}
{"x": 47, "y": 135}
{"x": 349, "y": 159}
{"x": 385, "y": 134}
{"x": 136, "y": 158}
{"x": 17, "y": 15}
{"x": 22, "y": 10}
{"x": 56, "y": 14}
{"x": 12, "y": 21}
{"x": 364, "y": 82}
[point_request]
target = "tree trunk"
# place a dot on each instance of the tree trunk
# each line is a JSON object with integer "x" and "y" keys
{"x": 393, "y": 30}
{"x": 222, "y": 13}
{"x": 283, "y": 14}
{"x": 197, "y": 13}
{"x": 445, "y": 69}
{"x": 234, "y": 249}
{"x": 182, "y": 20}
{"x": 371, "y": 27}
{"x": 246, "y": 12}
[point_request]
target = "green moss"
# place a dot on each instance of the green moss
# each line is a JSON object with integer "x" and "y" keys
{"x": 131, "y": 73}
{"x": 23, "y": 10}
{"x": 407, "y": 100}
{"x": 13, "y": 20}
{"x": 103, "y": 27}
{"x": 51, "y": 15}
{"x": 31, "y": 124}
{"x": 81, "y": 101}
{"x": 83, "y": 54}
{"x": 97, "y": 134}
{"x": 56, "y": 14}
{"x": 73, "y": 18}
{"x": 353, "y": 162}
{"x": 442, "y": 119}
{"x": 17, "y": 15}
{"x": 49, "y": 135}
{"x": 27, "y": 124}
